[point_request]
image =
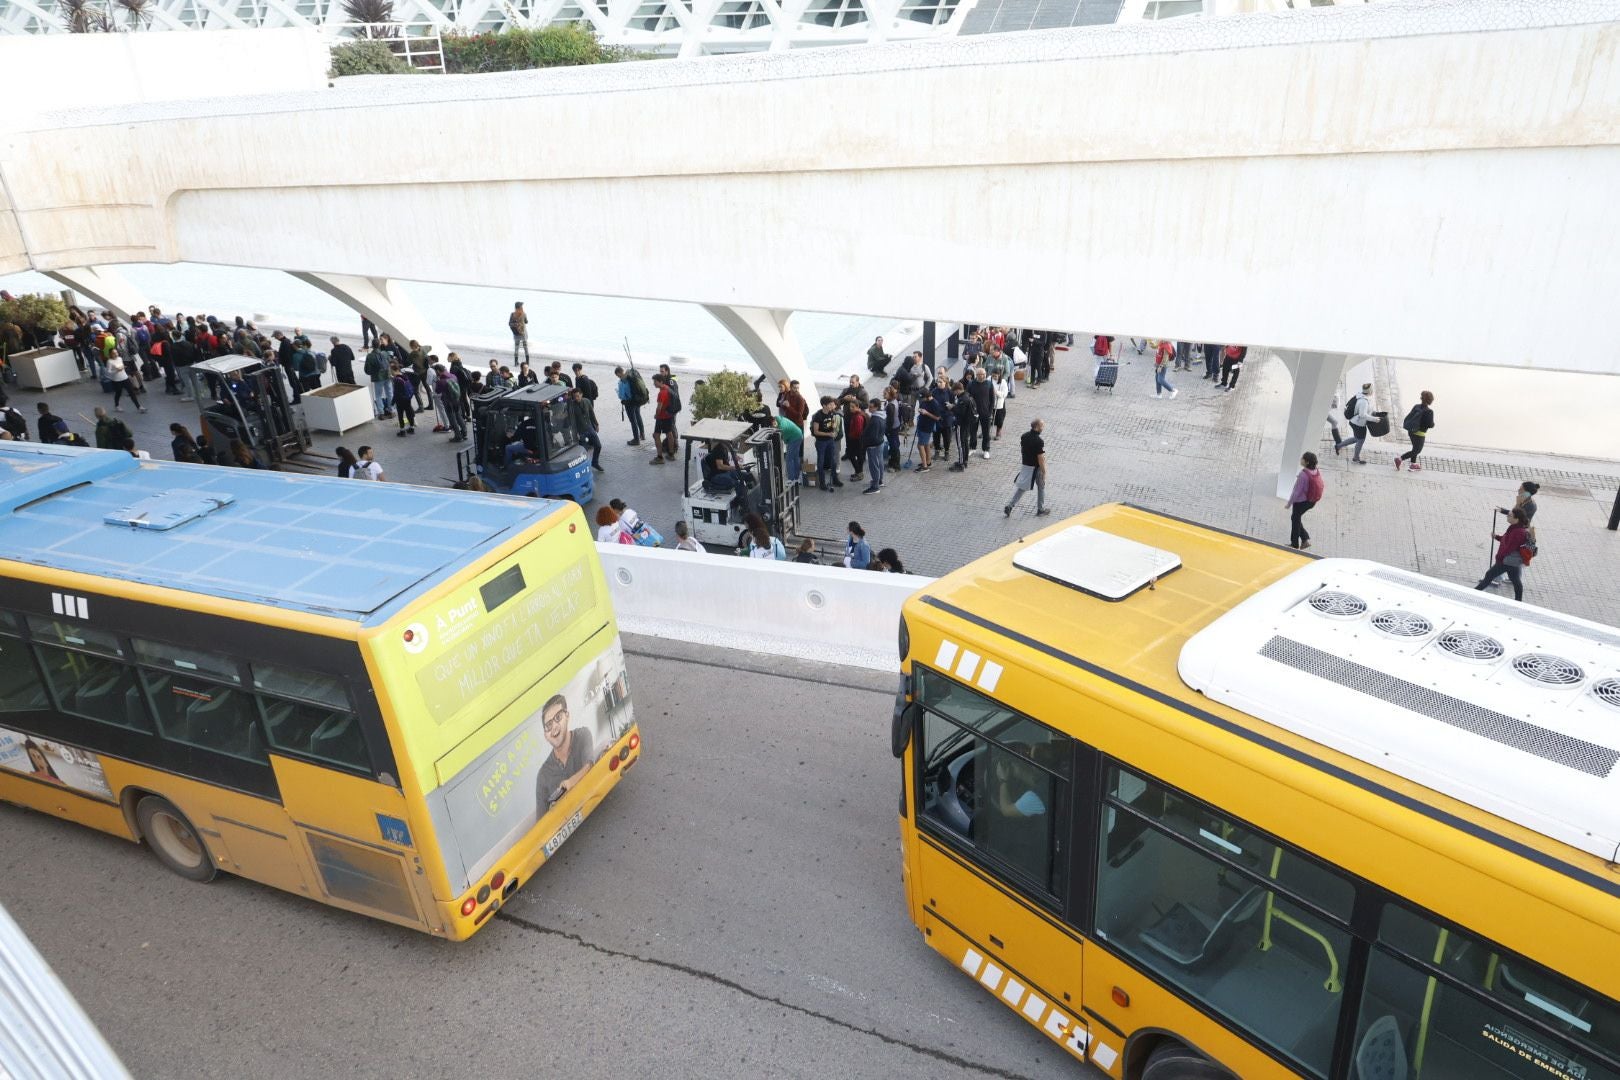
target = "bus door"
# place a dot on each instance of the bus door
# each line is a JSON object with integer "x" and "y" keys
{"x": 993, "y": 795}
{"x": 340, "y": 793}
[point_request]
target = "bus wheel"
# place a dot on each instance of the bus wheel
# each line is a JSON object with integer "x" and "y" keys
{"x": 1173, "y": 1061}
{"x": 173, "y": 840}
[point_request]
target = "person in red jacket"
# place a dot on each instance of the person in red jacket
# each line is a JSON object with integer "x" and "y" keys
{"x": 1509, "y": 560}
{"x": 664, "y": 439}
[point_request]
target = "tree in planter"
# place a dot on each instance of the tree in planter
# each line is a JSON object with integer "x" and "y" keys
{"x": 39, "y": 317}
{"x": 725, "y": 395}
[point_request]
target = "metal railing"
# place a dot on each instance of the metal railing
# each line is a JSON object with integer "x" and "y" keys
{"x": 418, "y": 44}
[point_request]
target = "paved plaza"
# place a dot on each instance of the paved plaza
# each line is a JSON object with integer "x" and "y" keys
{"x": 1206, "y": 455}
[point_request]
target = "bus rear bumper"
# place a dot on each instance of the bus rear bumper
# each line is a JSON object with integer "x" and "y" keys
{"x": 466, "y": 915}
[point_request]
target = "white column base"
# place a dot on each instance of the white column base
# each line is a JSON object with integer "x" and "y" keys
{"x": 771, "y": 343}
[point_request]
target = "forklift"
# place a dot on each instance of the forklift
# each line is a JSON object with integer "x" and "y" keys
{"x": 524, "y": 443}
{"x": 246, "y": 398}
{"x": 716, "y": 514}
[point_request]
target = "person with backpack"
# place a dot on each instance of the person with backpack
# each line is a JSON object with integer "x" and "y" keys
{"x": 447, "y": 392}
{"x": 668, "y": 408}
{"x": 965, "y": 417}
{"x": 14, "y": 423}
{"x": 111, "y": 432}
{"x": 825, "y": 427}
{"x": 1417, "y": 424}
{"x": 518, "y": 323}
{"x": 1513, "y": 553}
{"x": 632, "y": 396}
{"x": 1358, "y": 410}
{"x": 404, "y": 399}
{"x": 1308, "y": 487}
{"x": 382, "y": 383}
{"x": 585, "y": 383}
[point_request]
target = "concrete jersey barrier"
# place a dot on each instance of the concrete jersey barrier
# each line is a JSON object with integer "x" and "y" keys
{"x": 816, "y": 613}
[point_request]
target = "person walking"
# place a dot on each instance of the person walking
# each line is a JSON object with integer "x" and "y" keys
{"x": 118, "y": 374}
{"x": 1417, "y": 424}
{"x": 1358, "y": 410}
{"x": 1001, "y": 391}
{"x": 111, "y": 432}
{"x": 855, "y": 437}
{"x": 1232, "y": 358}
{"x": 518, "y": 323}
{"x": 1524, "y": 499}
{"x": 875, "y": 441}
{"x": 1032, "y": 473}
{"x": 1163, "y": 357}
{"x": 825, "y": 427}
{"x": 1307, "y": 493}
{"x": 632, "y": 396}
{"x": 1510, "y": 553}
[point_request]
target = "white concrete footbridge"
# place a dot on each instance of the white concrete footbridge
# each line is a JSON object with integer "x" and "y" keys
{"x": 1430, "y": 180}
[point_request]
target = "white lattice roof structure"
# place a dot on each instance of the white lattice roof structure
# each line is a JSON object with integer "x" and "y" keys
{"x": 684, "y": 27}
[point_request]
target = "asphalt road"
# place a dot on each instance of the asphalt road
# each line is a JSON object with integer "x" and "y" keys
{"x": 734, "y": 910}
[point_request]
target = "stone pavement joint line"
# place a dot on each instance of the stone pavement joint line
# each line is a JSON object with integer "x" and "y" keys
{"x": 1207, "y": 456}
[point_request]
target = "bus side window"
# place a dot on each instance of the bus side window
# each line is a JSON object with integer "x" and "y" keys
{"x": 94, "y": 687}
{"x": 199, "y": 699}
{"x": 20, "y": 688}
{"x": 308, "y": 713}
{"x": 1486, "y": 1015}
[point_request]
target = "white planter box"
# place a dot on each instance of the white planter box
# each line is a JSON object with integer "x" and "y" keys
{"x": 43, "y": 370}
{"x": 337, "y": 408}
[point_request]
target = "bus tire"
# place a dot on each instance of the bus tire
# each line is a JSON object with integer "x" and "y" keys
{"x": 173, "y": 839}
{"x": 1171, "y": 1060}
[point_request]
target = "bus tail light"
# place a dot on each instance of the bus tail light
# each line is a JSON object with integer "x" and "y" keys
{"x": 613, "y": 763}
{"x": 498, "y": 880}
{"x": 635, "y": 740}
{"x": 483, "y": 894}
{"x": 469, "y": 905}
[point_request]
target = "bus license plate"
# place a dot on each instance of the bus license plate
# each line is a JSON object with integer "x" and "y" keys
{"x": 564, "y": 833}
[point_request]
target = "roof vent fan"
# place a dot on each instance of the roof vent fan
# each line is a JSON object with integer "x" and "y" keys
{"x": 1607, "y": 690}
{"x": 1471, "y": 645}
{"x": 1402, "y": 624}
{"x": 1549, "y": 670}
{"x": 1338, "y": 604}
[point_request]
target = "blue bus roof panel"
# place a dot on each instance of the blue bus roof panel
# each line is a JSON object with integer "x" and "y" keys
{"x": 315, "y": 544}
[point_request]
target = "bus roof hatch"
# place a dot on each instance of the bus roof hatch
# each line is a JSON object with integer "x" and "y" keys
{"x": 1097, "y": 563}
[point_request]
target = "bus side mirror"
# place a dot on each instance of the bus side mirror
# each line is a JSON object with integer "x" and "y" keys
{"x": 905, "y": 720}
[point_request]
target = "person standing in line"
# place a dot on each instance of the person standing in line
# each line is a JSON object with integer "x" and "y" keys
{"x": 382, "y": 384}
{"x": 632, "y": 396}
{"x": 1183, "y": 356}
{"x": 875, "y": 441}
{"x": 1359, "y": 412}
{"x": 404, "y": 399}
{"x": 966, "y": 416}
{"x": 1001, "y": 390}
{"x": 791, "y": 403}
{"x": 894, "y": 422}
{"x": 366, "y": 467}
{"x": 943, "y": 402}
{"x": 518, "y": 323}
{"x": 416, "y": 358}
{"x": 825, "y": 427}
{"x": 342, "y": 360}
{"x": 1308, "y": 487}
{"x": 984, "y": 406}
{"x": 1032, "y": 473}
{"x": 1212, "y": 358}
{"x": 857, "y": 552}
{"x": 447, "y": 393}
{"x": 1163, "y": 357}
{"x": 1417, "y": 425}
{"x": 1509, "y": 556}
{"x": 855, "y": 437}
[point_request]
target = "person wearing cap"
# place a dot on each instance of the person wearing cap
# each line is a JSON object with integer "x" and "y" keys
{"x": 1359, "y": 413}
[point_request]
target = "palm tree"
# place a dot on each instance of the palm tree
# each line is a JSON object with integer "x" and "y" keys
{"x": 374, "y": 14}
{"x": 82, "y": 16}
{"x": 137, "y": 13}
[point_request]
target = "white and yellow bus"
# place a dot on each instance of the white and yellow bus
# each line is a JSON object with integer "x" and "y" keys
{"x": 389, "y": 699}
{"x": 1199, "y": 806}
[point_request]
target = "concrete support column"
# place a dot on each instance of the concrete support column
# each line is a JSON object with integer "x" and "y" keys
{"x": 106, "y": 286}
{"x": 770, "y": 342}
{"x": 384, "y": 302}
{"x": 1316, "y": 377}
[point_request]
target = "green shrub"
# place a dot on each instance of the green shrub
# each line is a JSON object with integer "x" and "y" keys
{"x": 367, "y": 58}
{"x": 35, "y": 311}
{"x": 725, "y": 395}
{"x": 521, "y": 50}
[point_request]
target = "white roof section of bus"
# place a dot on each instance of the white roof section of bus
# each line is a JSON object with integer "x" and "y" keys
{"x": 1096, "y": 562}
{"x": 1508, "y": 707}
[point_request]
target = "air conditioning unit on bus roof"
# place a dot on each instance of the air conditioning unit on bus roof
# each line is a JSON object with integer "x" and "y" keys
{"x": 1510, "y": 708}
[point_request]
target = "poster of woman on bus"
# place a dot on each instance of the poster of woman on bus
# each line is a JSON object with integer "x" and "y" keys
{"x": 52, "y": 763}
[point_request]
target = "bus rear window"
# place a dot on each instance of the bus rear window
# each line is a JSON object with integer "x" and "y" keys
{"x": 502, "y": 587}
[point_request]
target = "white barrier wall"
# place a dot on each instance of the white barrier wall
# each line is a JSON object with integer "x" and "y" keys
{"x": 816, "y": 613}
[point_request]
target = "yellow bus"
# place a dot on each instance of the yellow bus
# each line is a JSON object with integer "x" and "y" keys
{"x": 393, "y": 700}
{"x": 1200, "y": 806}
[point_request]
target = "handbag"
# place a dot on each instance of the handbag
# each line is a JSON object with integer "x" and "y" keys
{"x": 647, "y": 536}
